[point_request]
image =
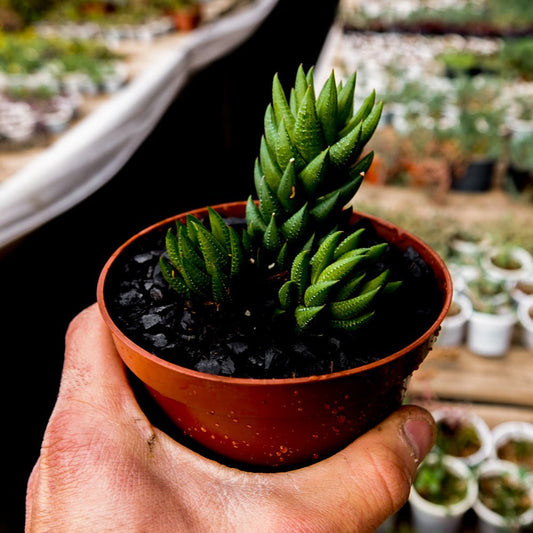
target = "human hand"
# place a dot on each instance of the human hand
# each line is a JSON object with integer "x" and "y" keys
{"x": 103, "y": 466}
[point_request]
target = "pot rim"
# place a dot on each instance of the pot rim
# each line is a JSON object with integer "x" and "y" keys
{"x": 437, "y": 263}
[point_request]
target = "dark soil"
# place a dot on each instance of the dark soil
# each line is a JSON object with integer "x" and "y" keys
{"x": 245, "y": 341}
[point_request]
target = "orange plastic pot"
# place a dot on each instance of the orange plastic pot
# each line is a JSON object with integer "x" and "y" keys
{"x": 279, "y": 422}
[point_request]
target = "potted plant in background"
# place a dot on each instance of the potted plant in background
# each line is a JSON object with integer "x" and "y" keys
{"x": 186, "y": 14}
{"x": 285, "y": 336}
{"x": 505, "y": 498}
{"x": 513, "y": 441}
{"x": 490, "y": 328}
{"x": 477, "y": 135}
{"x": 520, "y": 167}
{"x": 462, "y": 434}
{"x": 508, "y": 262}
{"x": 444, "y": 489}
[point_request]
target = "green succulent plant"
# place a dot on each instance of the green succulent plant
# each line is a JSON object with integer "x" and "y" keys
{"x": 308, "y": 169}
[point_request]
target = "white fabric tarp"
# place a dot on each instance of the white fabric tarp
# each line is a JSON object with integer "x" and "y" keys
{"x": 90, "y": 153}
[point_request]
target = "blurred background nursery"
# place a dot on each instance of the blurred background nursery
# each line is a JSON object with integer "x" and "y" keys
{"x": 115, "y": 114}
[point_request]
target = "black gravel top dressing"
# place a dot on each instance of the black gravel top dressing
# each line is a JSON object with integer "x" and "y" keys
{"x": 246, "y": 341}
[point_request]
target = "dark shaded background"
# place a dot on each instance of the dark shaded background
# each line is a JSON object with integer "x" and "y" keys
{"x": 201, "y": 153}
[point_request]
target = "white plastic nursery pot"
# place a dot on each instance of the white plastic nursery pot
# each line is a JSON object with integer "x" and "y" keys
{"x": 511, "y": 276}
{"x": 464, "y": 416}
{"x": 490, "y": 335}
{"x": 428, "y": 517}
{"x": 453, "y": 327}
{"x": 506, "y": 432}
{"x": 525, "y": 310}
{"x": 489, "y": 521}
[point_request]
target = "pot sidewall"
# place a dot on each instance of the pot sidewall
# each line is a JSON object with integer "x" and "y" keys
{"x": 490, "y": 335}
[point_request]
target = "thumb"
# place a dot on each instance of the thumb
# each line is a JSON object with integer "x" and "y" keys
{"x": 373, "y": 475}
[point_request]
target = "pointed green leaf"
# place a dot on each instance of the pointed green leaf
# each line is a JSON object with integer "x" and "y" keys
{"x": 318, "y": 293}
{"x": 271, "y": 237}
{"x": 254, "y": 220}
{"x": 309, "y": 244}
{"x": 287, "y": 188}
{"x": 220, "y": 287}
{"x": 310, "y": 77}
{"x": 300, "y": 270}
{"x": 269, "y": 166}
{"x": 288, "y": 294}
{"x": 324, "y": 254}
{"x": 307, "y": 136}
{"x": 271, "y": 127}
{"x": 348, "y": 244}
{"x": 285, "y": 150}
{"x": 345, "y": 101}
{"x": 296, "y": 226}
{"x": 344, "y": 152}
{"x": 198, "y": 281}
{"x": 392, "y": 286}
{"x": 341, "y": 268}
{"x": 258, "y": 173}
{"x": 268, "y": 201}
{"x": 362, "y": 166}
{"x": 313, "y": 175}
{"x": 188, "y": 249}
{"x": 349, "y": 309}
{"x": 293, "y": 104}
{"x": 373, "y": 253}
{"x": 171, "y": 244}
{"x": 327, "y": 110}
{"x": 350, "y": 288}
{"x": 325, "y": 207}
{"x": 300, "y": 87}
{"x": 219, "y": 229}
{"x": 283, "y": 257}
{"x": 280, "y": 104}
{"x": 361, "y": 114}
{"x": 352, "y": 325}
{"x": 191, "y": 224}
{"x": 215, "y": 256}
{"x": 376, "y": 282}
{"x": 173, "y": 278}
{"x": 237, "y": 254}
{"x": 306, "y": 315}
{"x": 371, "y": 123}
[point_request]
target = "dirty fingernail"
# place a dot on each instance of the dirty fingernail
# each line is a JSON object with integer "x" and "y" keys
{"x": 420, "y": 436}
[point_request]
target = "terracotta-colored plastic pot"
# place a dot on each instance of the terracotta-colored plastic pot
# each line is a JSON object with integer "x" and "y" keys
{"x": 279, "y": 422}
{"x": 187, "y": 18}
